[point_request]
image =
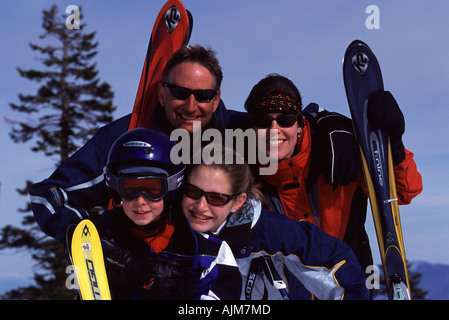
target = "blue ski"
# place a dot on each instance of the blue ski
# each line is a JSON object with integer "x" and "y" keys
{"x": 362, "y": 77}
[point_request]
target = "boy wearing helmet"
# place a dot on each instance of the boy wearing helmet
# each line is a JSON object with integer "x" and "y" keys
{"x": 152, "y": 254}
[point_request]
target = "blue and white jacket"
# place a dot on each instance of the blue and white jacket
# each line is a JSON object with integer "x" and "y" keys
{"x": 309, "y": 261}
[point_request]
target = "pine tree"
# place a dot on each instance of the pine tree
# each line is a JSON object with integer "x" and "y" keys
{"x": 71, "y": 102}
{"x": 67, "y": 109}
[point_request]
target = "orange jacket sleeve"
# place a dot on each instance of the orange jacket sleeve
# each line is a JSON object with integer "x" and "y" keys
{"x": 408, "y": 179}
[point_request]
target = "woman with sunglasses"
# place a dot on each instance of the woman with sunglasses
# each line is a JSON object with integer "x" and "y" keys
{"x": 220, "y": 199}
{"x": 300, "y": 189}
{"x": 152, "y": 253}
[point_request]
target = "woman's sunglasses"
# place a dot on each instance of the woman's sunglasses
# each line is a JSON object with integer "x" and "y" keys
{"x": 181, "y": 93}
{"x": 213, "y": 198}
{"x": 283, "y": 120}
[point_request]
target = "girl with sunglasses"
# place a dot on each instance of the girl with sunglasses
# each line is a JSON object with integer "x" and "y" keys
{"x": 152, "y": 253}
{"x": 211, "y": 193}
{"x": 220, "y": 199}
{"x": 300, "y": 188}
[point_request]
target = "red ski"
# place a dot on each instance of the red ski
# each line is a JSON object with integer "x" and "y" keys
{"x": 171, "y": 31}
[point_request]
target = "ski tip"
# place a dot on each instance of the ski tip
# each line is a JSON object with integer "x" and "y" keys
{"x": 353, "y": 44}
{"x": 357, "y": 43}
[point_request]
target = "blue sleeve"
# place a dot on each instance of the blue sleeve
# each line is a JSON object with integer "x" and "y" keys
{"x": 77, "y": 185}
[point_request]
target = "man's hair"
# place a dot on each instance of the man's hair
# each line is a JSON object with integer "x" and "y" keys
{"x": 195, "y": 54}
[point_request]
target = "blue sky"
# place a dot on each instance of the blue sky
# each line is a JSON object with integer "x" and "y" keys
{"x": 303, "y": 40}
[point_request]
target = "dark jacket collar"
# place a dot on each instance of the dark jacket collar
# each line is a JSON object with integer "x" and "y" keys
{"x": 237, "y": 230}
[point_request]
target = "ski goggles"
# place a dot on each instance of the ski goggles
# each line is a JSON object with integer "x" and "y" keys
{"x": 212, "y": 198}
{"x": 181, "y": 93}
{"x": 283, "y": 120}
{"x": 154, "y": 187}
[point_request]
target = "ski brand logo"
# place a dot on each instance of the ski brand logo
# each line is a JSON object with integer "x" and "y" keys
{"x": 93, "y": 280}
{"x": 146, "y": 147}
{"x": 377, "y": 158}
{"x": 172, "y": 18}
{"x": 85, "y": 232}
{"x": 390, "y": 238}
{"x": 140, "y": 144}
{"x": 375, "y": 147}
{"x": 249, "y": 285}
{"x": 360, "y": 62}
{"x": 86, "y": 247}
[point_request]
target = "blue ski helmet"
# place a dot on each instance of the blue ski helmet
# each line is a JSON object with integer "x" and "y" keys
{"x": 143, "y": 153}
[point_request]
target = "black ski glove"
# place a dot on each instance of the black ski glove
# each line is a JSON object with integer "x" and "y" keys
{"x": 334, "y": 145}
{"x": 384, "y": 113}
{"x": 151, "y": 276}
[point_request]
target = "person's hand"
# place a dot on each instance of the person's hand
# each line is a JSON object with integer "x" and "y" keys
{"x": 384, "y": 113}
{"x": 152, "y": 276}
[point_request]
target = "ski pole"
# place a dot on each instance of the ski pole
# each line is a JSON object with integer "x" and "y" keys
{"x": 274, "y": 277}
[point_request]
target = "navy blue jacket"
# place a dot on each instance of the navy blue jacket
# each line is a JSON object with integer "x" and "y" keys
{"x": 309, "y": 261}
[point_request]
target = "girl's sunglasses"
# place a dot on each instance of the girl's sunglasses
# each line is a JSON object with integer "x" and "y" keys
{"x": 213, "y": 198}
{"x": 181, "y": 93}
{"x": 283, "y": 120}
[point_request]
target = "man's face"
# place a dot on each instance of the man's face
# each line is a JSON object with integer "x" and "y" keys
{"x": 182, "y": 113}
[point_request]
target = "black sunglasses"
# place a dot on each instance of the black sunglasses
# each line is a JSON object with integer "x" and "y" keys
{"x": 181, "y": 93}
{"x": 283, "y": 120}
{"x": 213, "y": 198}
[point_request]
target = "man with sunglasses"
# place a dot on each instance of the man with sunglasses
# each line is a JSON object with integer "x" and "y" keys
{"x": 190, "y": 91}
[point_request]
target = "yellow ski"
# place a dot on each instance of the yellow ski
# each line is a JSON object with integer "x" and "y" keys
{"x": 87, "y": 258}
